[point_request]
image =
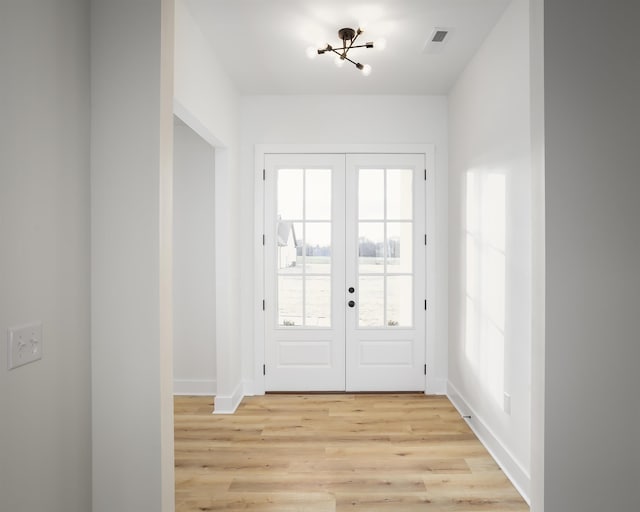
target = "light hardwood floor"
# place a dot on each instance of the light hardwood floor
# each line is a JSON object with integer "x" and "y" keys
{"x": 322, "y": 453}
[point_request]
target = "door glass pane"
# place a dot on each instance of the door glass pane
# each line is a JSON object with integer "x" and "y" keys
{"x": 318, "y": 247}
{"x": 318, "y": 194}
{"x": 399, "y": 247}
{"x": 289, "y": 300}
{"x": 371, "y": 301}
{"x": 399, "y": 196}
{"x": 370, "y": 247}
{"x": 399, "y": 300}
{"x": 318, "y": 301}
{"x": 289, "y": 240}
{"x": 290, "y": 194}
{"x": 371, "y": 194}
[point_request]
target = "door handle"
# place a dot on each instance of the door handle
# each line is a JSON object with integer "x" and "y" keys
{"x": 351, "y": 303}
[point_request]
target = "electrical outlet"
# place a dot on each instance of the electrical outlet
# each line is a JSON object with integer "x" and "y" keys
{"x": 24, "y": 344}
{"x": 507, "y": 403}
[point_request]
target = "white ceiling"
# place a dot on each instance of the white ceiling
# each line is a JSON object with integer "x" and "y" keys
{"x": 262, "y": 43}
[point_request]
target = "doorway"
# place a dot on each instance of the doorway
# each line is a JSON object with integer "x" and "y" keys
{"x": 194, "y": 257}
{"x": 345, "y": 252}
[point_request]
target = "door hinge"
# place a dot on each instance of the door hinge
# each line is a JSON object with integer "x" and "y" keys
{"x": 264, "y": 174}
{"x": 425, "y": 239}
{"x": 263, "y": 239}
{"x": 264, "y": 369}
{"x": 263, "y": 305}
{"x": 425, "y": 304}
{"x": 425, "y": 369}
{"x": 425, "y": 175}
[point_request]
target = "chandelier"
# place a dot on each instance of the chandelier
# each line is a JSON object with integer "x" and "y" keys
{"x": 347, "y": 37}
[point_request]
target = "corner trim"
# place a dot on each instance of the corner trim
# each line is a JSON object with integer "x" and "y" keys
{"x": 227, "y": 404}
{"x": 519, "y": 477}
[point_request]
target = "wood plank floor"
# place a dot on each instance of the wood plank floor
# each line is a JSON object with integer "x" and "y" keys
{"x": 322, "y": 453}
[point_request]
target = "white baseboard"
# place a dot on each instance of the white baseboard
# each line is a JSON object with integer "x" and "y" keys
{"x": 519, "y": 477}
{"x": 227, "y": 404}
{"x": 194, "y": 387}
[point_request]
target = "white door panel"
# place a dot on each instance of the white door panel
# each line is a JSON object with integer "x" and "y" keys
{"x": 385, "y": 264}
{"x": 304, "y": 274}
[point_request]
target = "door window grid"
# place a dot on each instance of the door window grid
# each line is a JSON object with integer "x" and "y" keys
{"x": 374, "y": 305}
{"x": 302, "y": 287}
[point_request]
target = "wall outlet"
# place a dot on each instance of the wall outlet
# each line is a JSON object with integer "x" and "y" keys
{"x": 507, "y": 403}
{"x": 24, "y": 344}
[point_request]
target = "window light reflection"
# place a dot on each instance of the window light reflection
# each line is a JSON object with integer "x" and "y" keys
{"x": 485, "y": 281}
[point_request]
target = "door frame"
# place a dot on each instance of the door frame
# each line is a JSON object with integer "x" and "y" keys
{"x": 428, "y": 150}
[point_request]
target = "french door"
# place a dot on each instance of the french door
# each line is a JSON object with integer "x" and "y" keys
{"x": 344, "y": 272}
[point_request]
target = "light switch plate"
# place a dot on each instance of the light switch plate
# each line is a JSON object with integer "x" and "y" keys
{"x": 24, "y": 344}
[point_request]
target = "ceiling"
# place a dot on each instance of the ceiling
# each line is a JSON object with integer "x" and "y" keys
{"x": 262, "y": 43}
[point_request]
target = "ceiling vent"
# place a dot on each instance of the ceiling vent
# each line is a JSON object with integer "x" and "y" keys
{"x": 439, "y": 35}
{"x": 438, "y": 39}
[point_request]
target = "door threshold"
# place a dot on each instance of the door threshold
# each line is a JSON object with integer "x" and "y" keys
{"x": 343, "y": 392}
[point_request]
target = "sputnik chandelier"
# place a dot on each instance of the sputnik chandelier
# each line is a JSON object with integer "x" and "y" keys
{"x": 348, "y": 37}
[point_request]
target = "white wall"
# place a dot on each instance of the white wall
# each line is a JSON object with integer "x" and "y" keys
{"x": 335, "y": 120}
{"x": 194, "y": 307}
{"x": 203, "y": 92}
{"x": 489, "y": 145}
{"x": 207, "y": 101}
{"x": 45, "y": 417}
{"x": 592, "y": 115}
{"x": 131, "y": 178}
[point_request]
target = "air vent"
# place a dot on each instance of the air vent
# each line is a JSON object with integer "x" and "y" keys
{"x": 439, "y": 36}
{"x": 438, "y": 40}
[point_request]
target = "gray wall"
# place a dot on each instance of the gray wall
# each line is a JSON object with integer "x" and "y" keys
{"x": 131, "y": 179}
{"x": 45, "y": 427}
{"x": 592, "y": 402}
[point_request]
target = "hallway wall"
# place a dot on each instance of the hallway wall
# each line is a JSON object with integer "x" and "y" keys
{"x": 592, "y": 115}
{"x": 207, "y": 101}
{"x": 131, "y": 250}
{"x": 194, "y": 292}
{"x": 45, "y": 414}
{"x": 490, "y": 246}
{"x": 335, "y": 119}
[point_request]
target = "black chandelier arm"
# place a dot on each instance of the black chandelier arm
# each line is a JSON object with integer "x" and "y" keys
{"x": 366, "y": 45}
{"x": 330, "y": 48}
{"x": 340, "y": 54}
{"x": 352, "y": 62}
{"x": 353, "y": 40}
{"x": 345, "y": 58}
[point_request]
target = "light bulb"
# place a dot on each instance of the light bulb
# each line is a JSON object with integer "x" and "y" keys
{"x": 312, "y": 53}
{"x": 339, "y": 62}
{"x": 366, "y": 70}
{"x": 380, "y": 44}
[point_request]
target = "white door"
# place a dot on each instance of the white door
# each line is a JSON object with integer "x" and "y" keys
{"x": 344, "y": 272}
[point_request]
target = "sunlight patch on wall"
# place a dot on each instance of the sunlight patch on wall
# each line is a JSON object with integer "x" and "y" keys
{"x": 485, "y": 257}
